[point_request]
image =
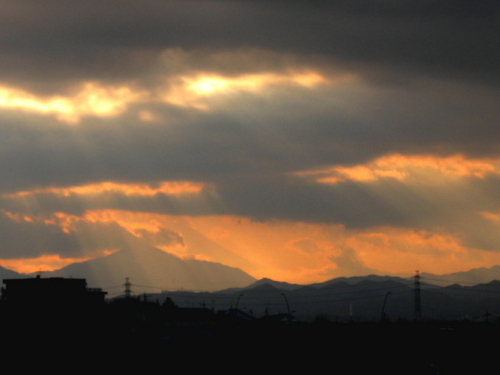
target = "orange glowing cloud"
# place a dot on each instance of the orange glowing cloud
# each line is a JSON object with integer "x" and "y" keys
{"x": 405, "y": 168}
{"x": 169, "y": 188}
{"x": 64, "y": 221}
{"x": 282, "y": 250}
{"x": 93, "y": 98}
{"x": 260, "y": 249}
{"x": 405, "y": 250}
{"x": 134, "y": 222}
{"x": 16, "y": 217}
{"x": 495, "y": 217}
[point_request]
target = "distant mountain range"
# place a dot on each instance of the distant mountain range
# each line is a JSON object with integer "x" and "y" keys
{"x": 358, "y": 299}
{"x": 151, "y": 270}
{"x": 161, "y": 275}
{"x": 427, "y": 280}
{"x": 471, "y": 277}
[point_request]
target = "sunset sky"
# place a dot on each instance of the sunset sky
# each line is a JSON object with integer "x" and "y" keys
{"x": 296, "y": 140}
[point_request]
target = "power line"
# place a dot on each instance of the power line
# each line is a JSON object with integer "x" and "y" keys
{"x": 449, "y": 281}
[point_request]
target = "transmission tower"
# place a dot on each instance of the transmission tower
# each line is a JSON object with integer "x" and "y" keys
{"x": 127, "y": 288}
{"x": 418, "y": 311}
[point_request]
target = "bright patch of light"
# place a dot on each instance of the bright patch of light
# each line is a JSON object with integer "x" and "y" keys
{"x": 203, "y": 85}
{"x": 207, "y": 85}
{"x": 190, "y": 91}
{"x": 93, "y": 98}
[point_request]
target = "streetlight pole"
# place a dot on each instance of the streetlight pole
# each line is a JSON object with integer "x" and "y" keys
{"x": 288, "y": 307}
{"x": 238, "y": 301}
{"x": 382, "y": 318}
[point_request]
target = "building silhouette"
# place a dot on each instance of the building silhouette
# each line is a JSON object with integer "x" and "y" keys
{"x": 50, "y": 292}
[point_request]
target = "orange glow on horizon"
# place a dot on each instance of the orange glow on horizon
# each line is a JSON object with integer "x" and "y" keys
{"x": 301, "y": 252}
{"x": 43, "y": 263}
{"x": 287, "y": 251}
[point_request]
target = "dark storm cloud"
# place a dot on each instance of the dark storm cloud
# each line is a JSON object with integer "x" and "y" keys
{"x": 47, "y": 42}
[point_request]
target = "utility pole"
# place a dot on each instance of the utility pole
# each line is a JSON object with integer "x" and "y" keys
{"x": 418, "y": 311}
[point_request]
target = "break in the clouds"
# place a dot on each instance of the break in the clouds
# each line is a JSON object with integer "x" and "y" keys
{"x": 377, "y": 117}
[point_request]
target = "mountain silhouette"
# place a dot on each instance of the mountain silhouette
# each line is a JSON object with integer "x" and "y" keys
{"x": 8, "y": 274}
{"x": 152, "y": 270}
{"x": 275, "y": 284}
{"x": 473, "y": 276}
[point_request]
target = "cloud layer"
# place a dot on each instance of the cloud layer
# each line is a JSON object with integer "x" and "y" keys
{"x": 378, "y": 117}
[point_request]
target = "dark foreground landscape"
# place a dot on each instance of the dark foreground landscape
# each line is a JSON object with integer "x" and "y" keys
{"x": 91, "y": 332}
{"x": 435, "y": 347}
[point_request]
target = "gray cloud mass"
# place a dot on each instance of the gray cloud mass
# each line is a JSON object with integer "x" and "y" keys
{"x": 45, "y": 42}
{"x": 428, "y": 84}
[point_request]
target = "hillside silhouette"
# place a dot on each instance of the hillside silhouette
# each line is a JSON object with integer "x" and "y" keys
{"x": 155, "y": 269}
